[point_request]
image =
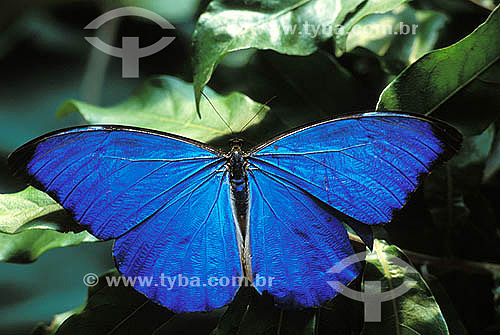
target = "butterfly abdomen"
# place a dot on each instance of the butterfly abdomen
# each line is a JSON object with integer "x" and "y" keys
{"x": 239, "y": 188}
{"x": 240, "y": 199}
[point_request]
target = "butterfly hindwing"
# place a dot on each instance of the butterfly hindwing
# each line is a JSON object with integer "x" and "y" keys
{"x": 191, "y": 242}
{"x": 294, "y": 241}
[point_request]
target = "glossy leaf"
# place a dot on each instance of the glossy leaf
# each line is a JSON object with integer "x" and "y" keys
{"x": 368, "y": 7}
{"x": 27, "y": 246}
{"x": 166, "y": 103}
{"x": 31, "y": 223}
{"x": 292, "y": 27}
{"x": 438, "y": 82}
{"x": 414, "y": 312}
{"x": 18, "y": 209}
{"x": 57, "y": 321}
{"x": 451, "y": 316}
{"x": 399, "y": 46}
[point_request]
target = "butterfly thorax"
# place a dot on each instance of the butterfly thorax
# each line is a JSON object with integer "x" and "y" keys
{"x": 238, "y": 180}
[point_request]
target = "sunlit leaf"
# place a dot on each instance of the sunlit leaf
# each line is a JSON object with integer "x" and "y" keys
{"x": 369, "y": 7}
{"x": 18, "y": 209}
{"x": 57, "y": 321}
{"x": 292, "y": 27}
{"x": 27, "y": 246}
{"x": 166, "y": 103}
{"x": 398, "y": 37}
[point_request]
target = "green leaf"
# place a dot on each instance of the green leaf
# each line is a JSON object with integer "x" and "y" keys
{"x": 416, "y": 311}
{"x": 397, "y": 47}
{"x": 230, "y": 321}
{"x": 18, "y": 209}
{"x": 27, "y": 246}
{"x": 166, "y": 103}
{"x": 252, "y": 313}
{"x": 441, "y": 82}
{"x": 451, "y": 316}
{"x": 369, "y": 7}
{"x": 260, "y": 317}
{"x": 292, "y": 27}
{"x": 474, "y": 150}
{"x": 57, "y": 321}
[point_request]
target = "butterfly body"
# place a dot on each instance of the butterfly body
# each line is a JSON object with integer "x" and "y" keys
{"x": 237, "y": 166}
{"x": 238, "y": 180}
{"x": 178, "y": 207}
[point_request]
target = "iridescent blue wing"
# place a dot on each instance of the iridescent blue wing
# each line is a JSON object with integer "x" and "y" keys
{"x": 191, "y": 244}
{"x": 363, "y": 166}
{"x": 164, "y": 198}
{"x": 294, "y": 240}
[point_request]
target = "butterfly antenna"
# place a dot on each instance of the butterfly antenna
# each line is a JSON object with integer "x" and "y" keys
{"x": 256, "y": 114}
{"x": 216, "y": 111}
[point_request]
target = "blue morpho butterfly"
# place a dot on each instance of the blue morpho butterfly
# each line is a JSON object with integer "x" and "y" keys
{"x": 178, "y": 206}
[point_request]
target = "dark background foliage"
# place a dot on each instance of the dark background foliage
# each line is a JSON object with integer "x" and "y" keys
{"x": 449, "y": 230}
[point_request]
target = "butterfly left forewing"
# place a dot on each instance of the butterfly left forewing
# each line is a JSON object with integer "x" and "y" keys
{"x": 164, "y": 198}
